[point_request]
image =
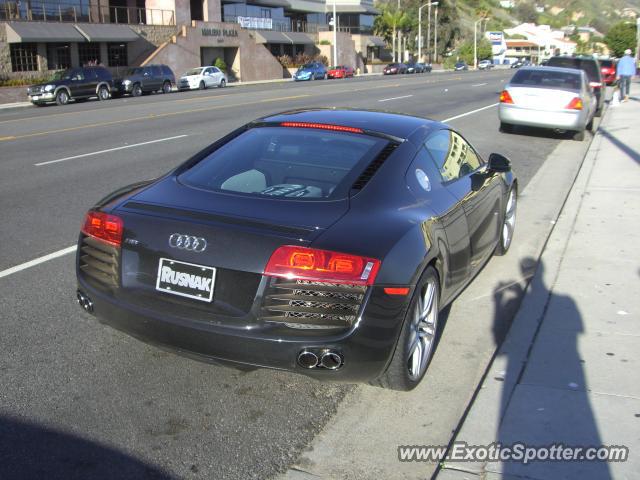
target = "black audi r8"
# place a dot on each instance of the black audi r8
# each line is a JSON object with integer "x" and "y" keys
{"x": 324, "y": 242}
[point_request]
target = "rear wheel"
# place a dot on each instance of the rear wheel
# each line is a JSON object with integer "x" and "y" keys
{"x": 508, "y": 222}
{"x": 103, "y": 93}
{"x": 62, "y": 97}
{"x": 136, "y": 91}
{"x": 506, "y": 127}
{"x": 223, "y": 83}
{"x": 166, "y": 87}
{"x": 417, "y": 340}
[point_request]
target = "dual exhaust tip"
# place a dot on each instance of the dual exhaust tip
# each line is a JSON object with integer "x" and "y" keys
{"x": 325, "y": 359}
{"x": 85, "y": 302}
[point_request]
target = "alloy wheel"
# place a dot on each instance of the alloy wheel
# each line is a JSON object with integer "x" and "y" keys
{"x": 509, "y": 224}
{"x": 424, "y": 322}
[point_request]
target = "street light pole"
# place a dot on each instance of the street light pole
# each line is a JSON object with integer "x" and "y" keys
{"x": 475, "y": 42}
{"x": 335, "y": 35}
{"x": 435, "y": 34}
{"x": 420, "y": 31}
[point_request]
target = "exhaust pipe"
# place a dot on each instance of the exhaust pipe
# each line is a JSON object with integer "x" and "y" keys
{"x": 331, "y": 361}
{"x": 307, "y": 359}
{"x": 85, "y": 302}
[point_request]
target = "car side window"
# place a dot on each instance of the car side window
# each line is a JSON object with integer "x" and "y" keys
{"x": 147, "y": 71}
{"x": 157, "y": 72}
{"x": 453, "y": 156}
{"x": 215, "y": 70}
{"x": 77, "y": 75}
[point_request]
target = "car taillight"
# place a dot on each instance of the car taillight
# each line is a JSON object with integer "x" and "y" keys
{"x": 103, "y": 226}
{"x": 304, "y": 263}
{"x": 575, "y": 104}
{"x": 322, "y": 126}
{"x": 505, "y": 97}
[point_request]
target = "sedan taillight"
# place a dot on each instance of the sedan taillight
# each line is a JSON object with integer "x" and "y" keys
{"x": 505, "y": 97}
{"x": 312, "y": 264}
{"x": 103, "y": 226}
{"x": 575, "y": 104}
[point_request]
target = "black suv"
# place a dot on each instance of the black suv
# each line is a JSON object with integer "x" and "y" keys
{"x": 73, "y": 84}
{"x": 591, "y": 67}
{"x": 147, "y": 79}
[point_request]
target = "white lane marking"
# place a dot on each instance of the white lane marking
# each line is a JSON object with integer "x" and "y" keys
{"x": 65, "y": 251}
{"x": 109, "y": 150}
{"x": 394, "y": 98}
{"x": 479, "y": 84}
{"x": 37, "y": 261}
{"x": 469, "y": 113}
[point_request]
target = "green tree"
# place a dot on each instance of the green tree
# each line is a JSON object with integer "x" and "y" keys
{"x": 620, "y": 37}
{"x": 465, "y": 52}
{"x": 526, "y": 12}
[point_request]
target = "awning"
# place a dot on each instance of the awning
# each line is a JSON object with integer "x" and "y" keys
{"x": 96, "y": 32}
{"x": 271, "y": 3}
{"x": 295, "y": 38}
{"x": 375, "y": 42}
{"x": 352, "y": 9}
{"x": 42, "y": 32}
{"x": 307, "y": 6}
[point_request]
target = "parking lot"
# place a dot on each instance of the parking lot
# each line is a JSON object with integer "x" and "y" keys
{"x": 129, "y": 410}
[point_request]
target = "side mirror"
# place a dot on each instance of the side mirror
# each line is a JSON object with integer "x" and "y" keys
{"x": 499, "y": 163}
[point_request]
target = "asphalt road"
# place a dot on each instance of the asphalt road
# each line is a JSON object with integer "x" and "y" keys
{"x": 80, "y": 400}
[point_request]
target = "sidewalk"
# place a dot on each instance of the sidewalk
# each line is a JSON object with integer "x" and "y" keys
{"x": 568, "y": 371}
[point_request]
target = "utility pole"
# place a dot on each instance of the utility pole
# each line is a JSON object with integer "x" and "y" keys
{"x": 420, "y": 31}
{"x": 475, "y": 41}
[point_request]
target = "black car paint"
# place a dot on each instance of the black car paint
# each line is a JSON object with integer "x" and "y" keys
{"x": 151, "y": 78}
{"x": 452, "y": 227}
{"x": 83, "y": 82}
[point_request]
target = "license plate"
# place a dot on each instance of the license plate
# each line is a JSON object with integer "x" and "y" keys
{"x": 35, "y": 97}
{"x": 186, "y": 279}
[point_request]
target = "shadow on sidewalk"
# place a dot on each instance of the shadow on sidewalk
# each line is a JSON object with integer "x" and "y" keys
{"x": 545, "y": 426}
{"x": 30, "y": 451}
{"x": 630, "y": 152}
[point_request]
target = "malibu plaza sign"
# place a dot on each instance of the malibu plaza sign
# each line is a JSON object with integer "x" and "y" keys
{"x": 219, "y": 32}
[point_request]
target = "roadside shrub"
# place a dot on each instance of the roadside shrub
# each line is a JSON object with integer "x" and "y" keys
{"x": 220, "y": 64}
{"x": 300, "y": 59}
{"x": 324, "y": 42}
{"x": 23, "y": 82}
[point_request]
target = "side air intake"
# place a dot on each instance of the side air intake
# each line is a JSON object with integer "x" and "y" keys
{"x": 373, "y": 167}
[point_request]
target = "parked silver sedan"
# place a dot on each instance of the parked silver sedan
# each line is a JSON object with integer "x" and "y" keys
{"x": 548, "y": 97}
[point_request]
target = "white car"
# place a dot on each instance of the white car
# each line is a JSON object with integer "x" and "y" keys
{"x": 485, "y": 64}
{"x": 201, "y": 78}
{"x": 548, "y": 97}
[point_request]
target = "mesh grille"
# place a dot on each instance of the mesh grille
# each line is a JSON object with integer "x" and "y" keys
{"x": 307, "y": 305}
{"x": 99, "y": 262}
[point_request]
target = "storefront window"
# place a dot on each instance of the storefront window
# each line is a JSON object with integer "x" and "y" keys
{"x": 89, "y": 53}
{"x": 24, "y": 57}
{"x": 117, "y": 54}
{"x": 58, "y": 56}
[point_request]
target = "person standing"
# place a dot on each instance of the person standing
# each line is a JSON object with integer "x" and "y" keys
{"x": 624, "y": 71}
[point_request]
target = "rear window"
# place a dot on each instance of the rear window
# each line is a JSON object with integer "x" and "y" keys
{"x": 589, "y": 66}
{"x": 606, "y": 63}
{"x": 282, "y": 162}
{"x": 547, "y": 78}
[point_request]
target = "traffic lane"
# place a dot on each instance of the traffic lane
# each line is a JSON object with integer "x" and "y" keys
{"x": 188, "y": 96}
{"x": 55, "y": 197}
{"x": 62, "y": 369}
{"x": 58, "y": 140}
{"x": 32, "y": 127}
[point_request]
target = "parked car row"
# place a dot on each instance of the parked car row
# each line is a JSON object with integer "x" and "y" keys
{"x": 563, "y": 95}
{"x": 411, "y": 67}
{"x": 82, "y": 83}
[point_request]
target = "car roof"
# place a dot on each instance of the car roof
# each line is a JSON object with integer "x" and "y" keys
{"x": 394, "y": 124}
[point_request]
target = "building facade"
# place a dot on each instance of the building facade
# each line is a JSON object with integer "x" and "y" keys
{"x": 248, "y": 35}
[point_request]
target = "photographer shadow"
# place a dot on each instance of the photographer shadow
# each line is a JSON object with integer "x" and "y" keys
{"x": 544, "y": 398}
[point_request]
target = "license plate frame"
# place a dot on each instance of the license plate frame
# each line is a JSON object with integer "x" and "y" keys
{"x": 185, "y": 279}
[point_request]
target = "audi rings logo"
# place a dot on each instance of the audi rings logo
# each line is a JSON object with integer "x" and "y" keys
{"x": 187, "y": 242}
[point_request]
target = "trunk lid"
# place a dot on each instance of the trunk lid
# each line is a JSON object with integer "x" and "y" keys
{"x": 542, "y": 98}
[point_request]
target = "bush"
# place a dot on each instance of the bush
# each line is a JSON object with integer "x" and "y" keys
{"x": 325, "y": 42}
{"x": 220, "y": 64}
{"x": 300, "y": 59}
{"x": 24, "y": 81}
